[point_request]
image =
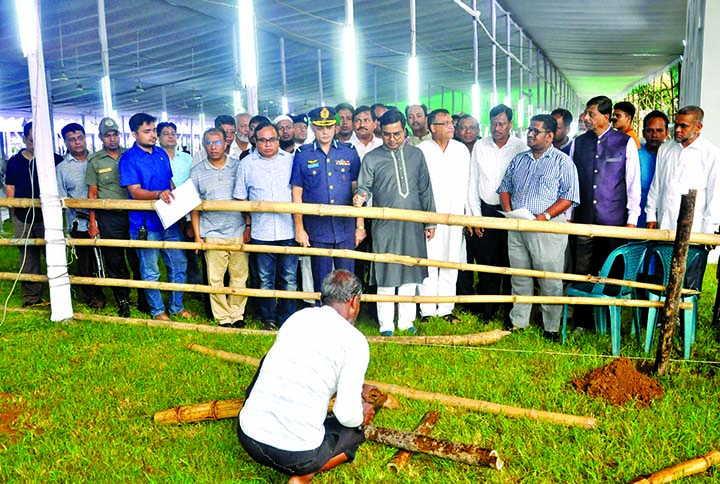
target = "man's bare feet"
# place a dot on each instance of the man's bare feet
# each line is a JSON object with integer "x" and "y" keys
{"x": 185, "y": 314}
{"x": 161, "y": 317}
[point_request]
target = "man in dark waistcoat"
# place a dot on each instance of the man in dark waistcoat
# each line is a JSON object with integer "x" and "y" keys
{"x": 609, "y": 173}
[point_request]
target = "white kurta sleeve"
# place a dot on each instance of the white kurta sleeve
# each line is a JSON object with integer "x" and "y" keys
{"x": 632, "y": 182}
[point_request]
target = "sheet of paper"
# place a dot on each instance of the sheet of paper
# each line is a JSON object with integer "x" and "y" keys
{"x": 521, "y": 213}
{"x": 186, "y": 198}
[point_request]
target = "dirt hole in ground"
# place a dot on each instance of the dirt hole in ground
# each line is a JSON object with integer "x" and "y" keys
{"x": 9, "y": 413}
{"x": 619, "y": 382}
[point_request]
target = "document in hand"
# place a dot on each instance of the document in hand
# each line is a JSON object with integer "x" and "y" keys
{"x": 186, "y": 199}
{"x": 521, "y": 213}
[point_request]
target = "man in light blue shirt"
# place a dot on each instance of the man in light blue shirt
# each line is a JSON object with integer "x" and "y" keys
{"x": 214, "y": 179}
{"x": 71, "y": 184}
{"x": 264, "y": 175}
{"x": 543, "y": 180}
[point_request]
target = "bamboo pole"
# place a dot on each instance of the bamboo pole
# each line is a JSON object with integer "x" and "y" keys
{"x": 477, "y": 405}
{"x": 171, "y": 286}
{"x": 467, "y": 454}
{"x": 215, "y": 410}
{"x": 489, "y": 407}
{"x": 683, "y": 469}
{"x": 476, "y": 339}
{"x": 350, "y": 254}
{"x": 393, "y": 214}
{"x": 222, "y": 409}
{"x": 670, "y": 315}
{"x": 402, "y": 457}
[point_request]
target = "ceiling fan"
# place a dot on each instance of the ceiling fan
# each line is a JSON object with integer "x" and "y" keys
{"x": 63, "y": 77}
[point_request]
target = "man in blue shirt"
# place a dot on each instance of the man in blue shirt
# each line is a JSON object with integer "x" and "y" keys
{"x": 655, "y": 132}
{"x": 145, "y": 171}
{"x": 543, "y": 180}
{"x": 326, "y": 171}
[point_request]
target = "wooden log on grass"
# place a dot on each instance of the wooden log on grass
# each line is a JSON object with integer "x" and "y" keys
{"x": 475, "y": 339}
{"x": 683, "y": 469}
{"x": 470, "y": 404}
{"x": 670, "y": 315}
{"x": 446, "y": 449}
{"x": 402, "y": 457}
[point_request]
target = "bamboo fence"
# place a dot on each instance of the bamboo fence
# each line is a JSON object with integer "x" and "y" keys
{"x": 468, "y": 403}
{"x": 173, "y": 286}
{"x": 349, "y": 254}
{"x": 370, "y": 212}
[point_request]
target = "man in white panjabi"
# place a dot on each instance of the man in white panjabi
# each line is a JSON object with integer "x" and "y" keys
{"x": 448, "y": 162}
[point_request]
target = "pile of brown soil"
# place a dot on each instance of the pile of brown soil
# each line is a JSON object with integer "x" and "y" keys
{"x": 8, "y": 416}
{"x": 619, "y": 382}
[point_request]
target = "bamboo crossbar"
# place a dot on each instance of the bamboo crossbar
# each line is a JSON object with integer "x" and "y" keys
{"x": 172, "y": 286}
{"x": 391, "y": 214}
{"x": 348, "y": 254}
{"x": 477, "y": 405}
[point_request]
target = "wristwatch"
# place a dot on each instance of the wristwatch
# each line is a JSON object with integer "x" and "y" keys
{"x": 547, "y": 216}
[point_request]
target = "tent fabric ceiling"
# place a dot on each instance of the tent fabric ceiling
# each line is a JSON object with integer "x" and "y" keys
{"x": 187, "y": 46}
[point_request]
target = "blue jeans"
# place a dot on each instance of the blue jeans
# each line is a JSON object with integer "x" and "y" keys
{"x": 276, "y": 271}
{"x": 175, "y": 262}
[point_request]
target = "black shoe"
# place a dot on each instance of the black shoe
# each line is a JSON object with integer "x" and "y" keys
{"x": 425, "y": 319}
{"x": 29, "y": 304}
{"x": 508, "y": 326}
{"x": 270, "y": 326}
{"x": 240, "y": 323}
{"x": 124, "y": 308}
{"x": 142, "y": 304}
{"x": 226, "y": 325}
{"x": 553, "y": 336}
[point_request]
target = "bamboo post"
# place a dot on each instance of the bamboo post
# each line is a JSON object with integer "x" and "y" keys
{"x": 477, "y": 405}
{"x": 172, "y": 286}
{"x": 683, "y": 469}
{"x": 467, "y": 454}
{"x": 402, "y": 457}
{"x": 670, "y": 313}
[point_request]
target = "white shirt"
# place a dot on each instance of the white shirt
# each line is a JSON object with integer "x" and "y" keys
{"x": 679, "y": 170}
{"x": 487, "y": 169}
{"x": 316, "y": 354}
{"x": 362, "y": 148}
{"x": 632, "y": 178}
{"x": 450, "y": 176}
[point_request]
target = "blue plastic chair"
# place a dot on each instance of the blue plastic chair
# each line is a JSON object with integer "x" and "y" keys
{"x": 657, "y": 265}
{"x": 633, "y": 255}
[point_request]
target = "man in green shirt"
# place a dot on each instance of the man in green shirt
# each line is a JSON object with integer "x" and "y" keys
{"x": 103, "y": 180}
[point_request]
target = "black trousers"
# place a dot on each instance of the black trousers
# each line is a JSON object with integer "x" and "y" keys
{"x": 114, "y": 224}
{"x": 87, "y": 267}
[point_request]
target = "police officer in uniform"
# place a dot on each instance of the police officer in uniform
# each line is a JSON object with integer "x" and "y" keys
{"x": 326, "y": 171}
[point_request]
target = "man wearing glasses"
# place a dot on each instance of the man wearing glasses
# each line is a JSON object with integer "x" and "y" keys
{"x": 448, "y": 162}
{"x": 489, "y": 160}
{"x": 396, "y": 175}
{"x": 326, "y": 171}
{"x": 229, "y": 126}
{"x": 214, "y": 179}
{"x": 264, "y": 175}
{"x": 544, "y": 181}
{"x": 608, "y": 169}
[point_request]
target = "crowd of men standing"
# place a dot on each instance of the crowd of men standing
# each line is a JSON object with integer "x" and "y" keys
{"x": 366, "y": 155}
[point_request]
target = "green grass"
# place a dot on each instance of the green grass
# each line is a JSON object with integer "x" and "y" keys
{"x": 87, "y": 393}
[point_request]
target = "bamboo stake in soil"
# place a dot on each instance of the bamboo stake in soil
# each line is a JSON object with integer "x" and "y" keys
{"x": 467, "y": 454}
{"x": 670, "y": 313}
{"x": 477, "y": 405}
{"x": 683, "y": 469}
{"x": 402, "y": 457}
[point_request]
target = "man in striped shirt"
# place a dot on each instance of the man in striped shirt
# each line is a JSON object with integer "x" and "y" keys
{"x": 543, "y": 180}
